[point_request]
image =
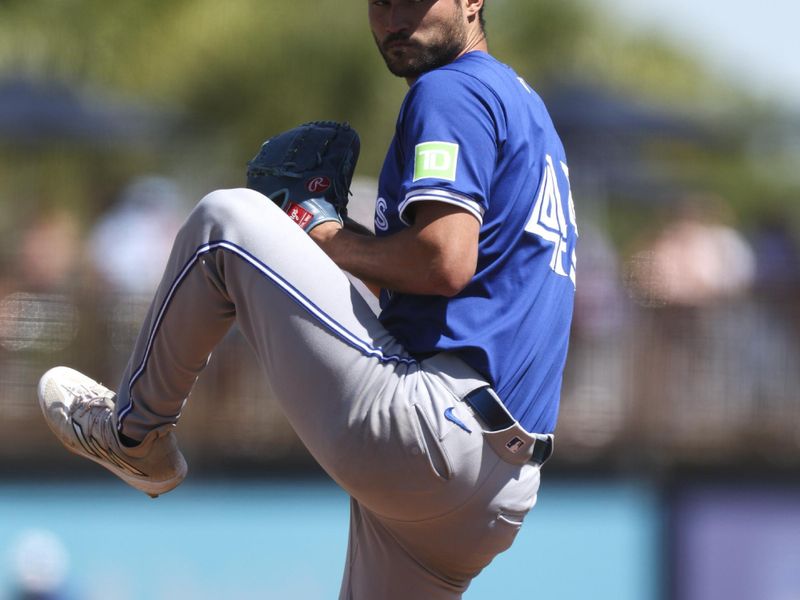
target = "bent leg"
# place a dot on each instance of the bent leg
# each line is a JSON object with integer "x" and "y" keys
{"x": 373, "y": 417}
{"x": 347, "y": 387}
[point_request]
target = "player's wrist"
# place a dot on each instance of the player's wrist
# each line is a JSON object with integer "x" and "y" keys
{"x": 325, "y": 232}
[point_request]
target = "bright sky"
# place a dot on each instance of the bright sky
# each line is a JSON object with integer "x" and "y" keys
{"x": 756, "y": 43}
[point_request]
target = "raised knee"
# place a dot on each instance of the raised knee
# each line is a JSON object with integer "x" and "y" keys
{"x": 224, "y": 207}
{"x": 225, "y": 214}
{"x": 237, "y": 215}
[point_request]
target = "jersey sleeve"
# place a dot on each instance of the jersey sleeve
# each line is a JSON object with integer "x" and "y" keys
{"x": 450, "y": 133}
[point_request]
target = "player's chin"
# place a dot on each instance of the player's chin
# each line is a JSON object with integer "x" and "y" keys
{"x": 402, "y": 65}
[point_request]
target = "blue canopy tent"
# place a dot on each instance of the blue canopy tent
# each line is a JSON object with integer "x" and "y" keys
{"x": 606, "y": 134}
{"x": 40, "y": 110}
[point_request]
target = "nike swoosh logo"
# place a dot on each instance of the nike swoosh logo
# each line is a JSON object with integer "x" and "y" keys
{"x": 448, "y": 414}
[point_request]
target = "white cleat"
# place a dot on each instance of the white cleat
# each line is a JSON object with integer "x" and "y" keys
{"x": 80, "y": 412}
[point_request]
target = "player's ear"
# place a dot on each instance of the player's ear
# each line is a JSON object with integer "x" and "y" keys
{"x": 472, "y": 8}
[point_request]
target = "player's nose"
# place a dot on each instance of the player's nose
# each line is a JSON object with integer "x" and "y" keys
{"x": 397, "y": 19}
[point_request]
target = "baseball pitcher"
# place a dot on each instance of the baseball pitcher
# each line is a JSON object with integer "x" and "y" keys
{"x": 436, "y": 416}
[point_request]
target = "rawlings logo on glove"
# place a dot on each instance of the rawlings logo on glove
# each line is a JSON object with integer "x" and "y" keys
{"x": 307, "y": 171}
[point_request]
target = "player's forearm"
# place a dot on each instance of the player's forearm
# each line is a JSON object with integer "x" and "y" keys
{"x": 401, "y": 262}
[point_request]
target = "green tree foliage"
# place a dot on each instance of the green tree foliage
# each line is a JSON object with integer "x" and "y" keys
{"x": 242, "y": 70}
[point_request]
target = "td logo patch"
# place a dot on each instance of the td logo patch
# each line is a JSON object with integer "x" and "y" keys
{"x": 436, "y": 160}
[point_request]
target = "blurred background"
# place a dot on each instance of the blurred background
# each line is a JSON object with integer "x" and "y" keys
{"x": 677, "y": 469}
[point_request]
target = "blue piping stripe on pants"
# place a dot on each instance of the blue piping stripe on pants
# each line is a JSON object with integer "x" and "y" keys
{"x": 304, "y": 302}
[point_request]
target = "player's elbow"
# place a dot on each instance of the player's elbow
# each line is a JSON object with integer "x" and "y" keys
{"x": 449, "y": 288}
{"x": 449, "y": 278}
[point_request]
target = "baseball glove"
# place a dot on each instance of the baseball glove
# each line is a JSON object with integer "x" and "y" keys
{"x": 307, "y": 171}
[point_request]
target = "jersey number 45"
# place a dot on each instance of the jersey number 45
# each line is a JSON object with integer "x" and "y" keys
{"x": 548, "y": 221}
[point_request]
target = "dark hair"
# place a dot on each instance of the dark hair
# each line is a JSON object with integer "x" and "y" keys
{"x": 481, "y": 19}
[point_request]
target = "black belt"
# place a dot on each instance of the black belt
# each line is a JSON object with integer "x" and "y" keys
{"x": 496, "y": 418}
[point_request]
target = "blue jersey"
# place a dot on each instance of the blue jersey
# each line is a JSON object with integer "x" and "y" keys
{"x": 474, "y": 134}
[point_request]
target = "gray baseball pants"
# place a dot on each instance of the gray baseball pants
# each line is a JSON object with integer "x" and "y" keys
{"x": 434, "y": 497}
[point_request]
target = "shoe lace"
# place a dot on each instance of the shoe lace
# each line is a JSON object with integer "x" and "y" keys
{"x": 93, "y": 403}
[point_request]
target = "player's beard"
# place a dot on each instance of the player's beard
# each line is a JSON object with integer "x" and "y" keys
{"x": 415, "y": 58}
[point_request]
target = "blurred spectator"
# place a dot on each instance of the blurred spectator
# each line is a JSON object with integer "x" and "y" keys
{"x": 49, "y": 251}
{"x": 36, "y": 310}
{"x": 600, "y": 304}
{"x": 696, "y": 260}
{"x": 128, "y": 249}
{"x": 690, "y": 379}
{"x": 593, "y": 407}
{"x": 777, "y": 253}
{"x": 40, "y": 566}
{"x": 774, "y": 346}
{"x": 130, "y": 244}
